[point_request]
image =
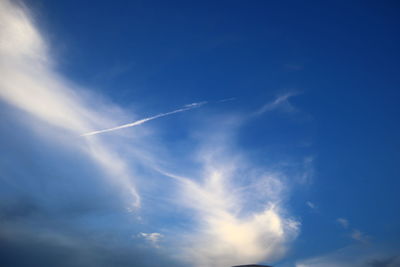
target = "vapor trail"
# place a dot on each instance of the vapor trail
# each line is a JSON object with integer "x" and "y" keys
{"x": 139, "y": 122}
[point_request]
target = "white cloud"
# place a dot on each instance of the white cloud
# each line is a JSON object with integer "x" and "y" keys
{"x": 343, "y": 222}
{"x": 237, "y": 207}
{"x": 308, "y": 172}
{"x": 311, "y": 205}
{"x": 354, "y": 256}
{"x": 355, "y": 233}
{"x": 238, "y": 220}
{"x": 359, "y": 236}
{"x": 29, "y": 82}
{"x": 152, "y": 238}
{"x": 281, "y": 102}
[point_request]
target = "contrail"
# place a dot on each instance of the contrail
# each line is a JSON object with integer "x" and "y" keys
{"x": 139, "y": 122}
{"x": 226, "y": 100}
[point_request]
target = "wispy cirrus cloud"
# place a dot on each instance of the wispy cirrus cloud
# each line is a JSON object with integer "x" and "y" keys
{"x": 311, "y": 205}
{"x": 361, "y": 253}
{"x": 355, "y": 256}
{"x": 359, "y": 236}
{"x": 281, "y": 102}
{"x": 152, "y": 238}
{"x": 355, "y": 234}
{"x": 30, "y": 83}
{"x": 235, "y": 208}
{"x": 343, "y": 222}
{"x": 237, "y": 219}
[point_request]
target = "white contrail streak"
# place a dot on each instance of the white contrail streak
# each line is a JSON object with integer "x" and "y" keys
{"x": 139, "y": 122}
{"x": 226, "y": 99}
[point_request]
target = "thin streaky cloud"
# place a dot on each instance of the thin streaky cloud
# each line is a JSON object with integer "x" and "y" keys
{"x": 229, "y": 228}
{"x": 139, "y": 122}
{"x": 343, "y": 222}
{"x": 280, "y": 101}
{"x": 359, "y": 236}
{"x": 226, "y": 99}
{"x": 152, "y": 238}
{"x": 311, "y": 205}
{"x": 356, "y": 255}
{"x": 30, "y": 83}
{"x": 223, "y": 235}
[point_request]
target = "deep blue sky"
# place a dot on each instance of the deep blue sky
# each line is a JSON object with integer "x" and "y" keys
{"x": 338, "y": 61}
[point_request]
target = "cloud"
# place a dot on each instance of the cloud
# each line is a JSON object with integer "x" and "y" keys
{"x": 226, "y": 100}
{"x": 311, "y": 205}
{"x": 153, "y": 238}
{"x": 70, "y": 248}
{"x": 232, "y": 210}
{"x": 30, "y": 83}
{"x": 355, "y": 233}
{"x": 236, "y": 220}
{"x": 359, "y": 236}
{"x": 281, "y": 102}
{"x": 388, "y": 262}
{"x": 355, "y": 256}
{"x": 343, "y": 222}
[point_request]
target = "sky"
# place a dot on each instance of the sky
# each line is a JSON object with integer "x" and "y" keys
{"x": 199, "y": 133}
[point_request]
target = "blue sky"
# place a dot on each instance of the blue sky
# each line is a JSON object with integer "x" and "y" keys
{"x": 252, "y": 132}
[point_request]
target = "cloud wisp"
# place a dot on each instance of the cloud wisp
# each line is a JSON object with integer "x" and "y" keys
{"x": 30, "y": 83}
{"x": 343, "y": 222}
{"x": 355, "y": 256}
{"x": 235, "y": 208}
{"x": 359, "y": 236}
{"x": 311, "y": 205}
{"x": 281, "y": 102}
{"x": 139, "y": 122}
{"x": 237, "y": 220}
{"x": 152, "y": 238}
